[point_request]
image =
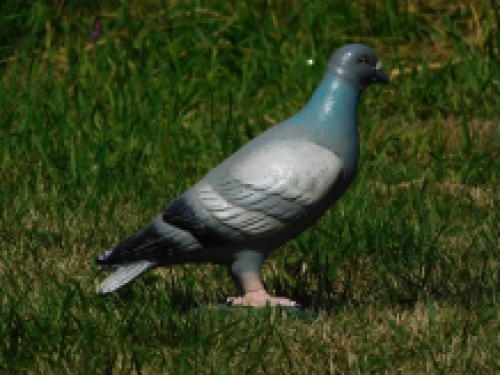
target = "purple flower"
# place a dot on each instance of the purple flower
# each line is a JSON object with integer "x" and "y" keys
{"x": 97, "y": 30}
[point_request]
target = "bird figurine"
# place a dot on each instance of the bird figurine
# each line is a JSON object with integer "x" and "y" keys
{"x": 266, "y": 193}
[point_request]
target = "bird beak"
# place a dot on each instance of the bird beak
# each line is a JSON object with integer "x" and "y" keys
{"x": 379, "y": 75}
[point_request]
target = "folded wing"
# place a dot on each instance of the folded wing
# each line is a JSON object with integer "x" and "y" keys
{"x": 271, "y": 187}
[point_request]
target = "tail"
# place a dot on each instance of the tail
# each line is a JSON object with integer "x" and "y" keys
{"x": 123, "y": 275}
{"x": 155, "y": 244}
{"x": 129, "y": 251}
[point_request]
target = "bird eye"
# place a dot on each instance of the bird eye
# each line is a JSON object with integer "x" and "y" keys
{"x": 364, "y": 60}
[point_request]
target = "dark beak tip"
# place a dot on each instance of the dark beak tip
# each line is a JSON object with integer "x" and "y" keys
{"x": 381, "y": 77}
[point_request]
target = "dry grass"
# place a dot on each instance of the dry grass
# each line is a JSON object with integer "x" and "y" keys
{"x": 381, "y": 314}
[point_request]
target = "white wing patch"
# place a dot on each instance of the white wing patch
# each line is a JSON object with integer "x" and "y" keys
{"x": 299, "y": 171}
{"x": 245, "y": 221}
{"x": 277, "y": 180}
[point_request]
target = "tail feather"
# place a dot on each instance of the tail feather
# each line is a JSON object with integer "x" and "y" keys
{"x": 123, "y": 275}
{"x": 128, "y": 251}
{"x": 147, "y": 245}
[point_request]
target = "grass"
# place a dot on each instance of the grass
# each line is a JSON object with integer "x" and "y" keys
{"x": 97, "y": 136}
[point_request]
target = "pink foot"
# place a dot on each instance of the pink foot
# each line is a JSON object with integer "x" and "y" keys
{"x": 260, "y": 298}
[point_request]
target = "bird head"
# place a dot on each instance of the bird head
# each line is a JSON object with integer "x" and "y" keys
{"x": 358, "y": 64}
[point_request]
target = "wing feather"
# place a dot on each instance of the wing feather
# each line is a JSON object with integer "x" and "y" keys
{"x": 270, "y": 187}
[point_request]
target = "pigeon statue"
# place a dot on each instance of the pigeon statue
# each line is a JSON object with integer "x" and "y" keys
{"x": 266, "y": 193}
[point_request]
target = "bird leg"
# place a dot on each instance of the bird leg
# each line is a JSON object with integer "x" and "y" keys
{"x": 260, "y": 298}
{"x": 245, "y": 272}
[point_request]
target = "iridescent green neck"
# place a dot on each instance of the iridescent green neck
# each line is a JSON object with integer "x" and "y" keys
{"x": 332, "y": 107}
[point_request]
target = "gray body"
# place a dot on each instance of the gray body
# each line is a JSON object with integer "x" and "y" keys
{"x": 266, "y": 193}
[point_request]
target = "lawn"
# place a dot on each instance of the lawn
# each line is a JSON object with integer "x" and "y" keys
{"x": 109, "y": 110}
